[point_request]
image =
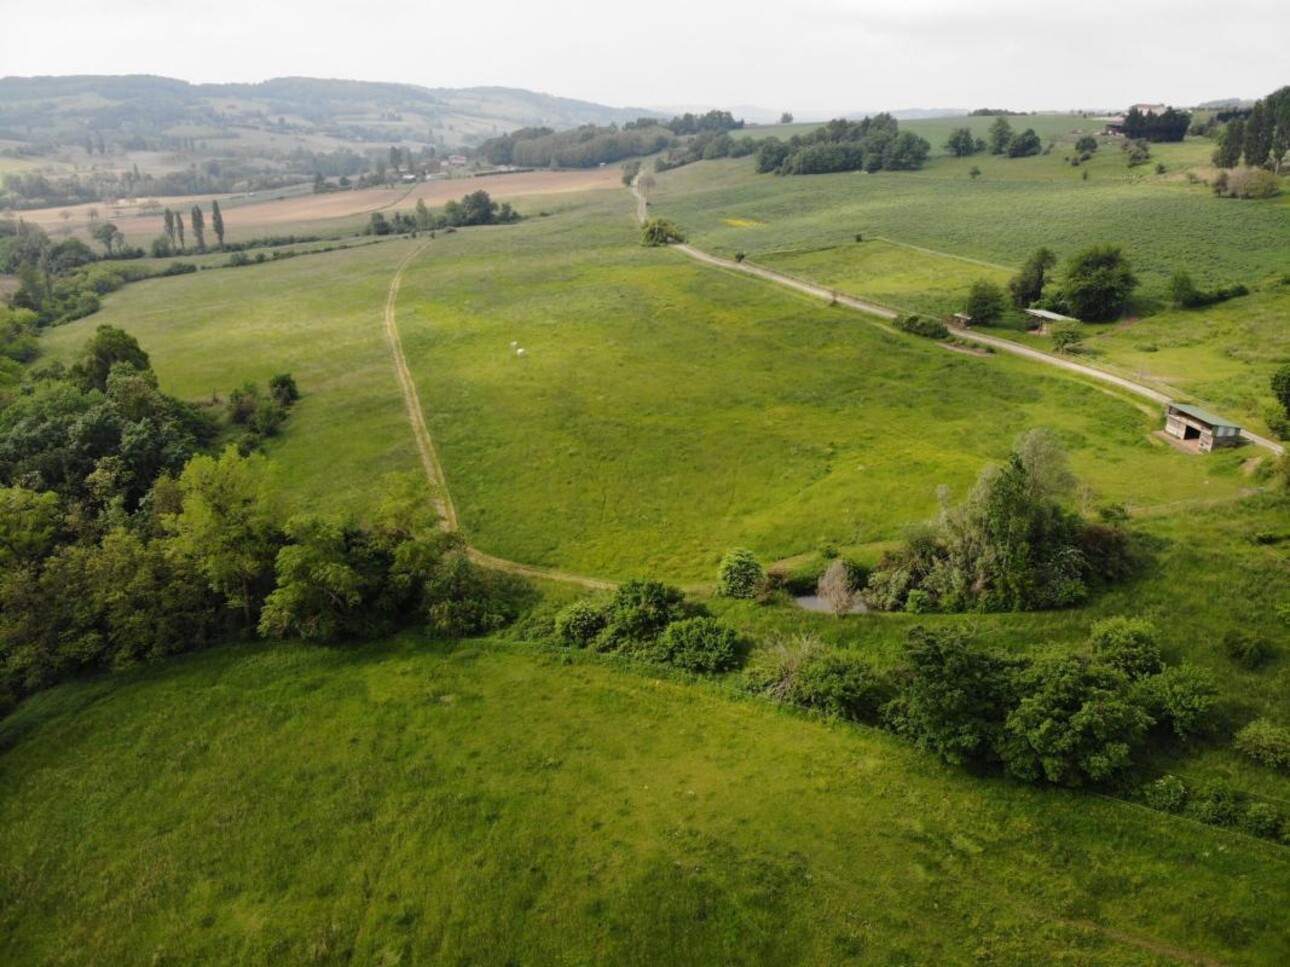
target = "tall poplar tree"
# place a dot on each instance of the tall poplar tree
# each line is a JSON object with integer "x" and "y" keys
{"x": 170, "y": 225}
{"x": 199, "y": 227}
{"x": 217, "y": 222}
{"x": 179, "y": 228}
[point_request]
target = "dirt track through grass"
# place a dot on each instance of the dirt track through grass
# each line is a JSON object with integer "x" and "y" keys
{"x": 886, "y": 314}
{"x": 429, "y": 456}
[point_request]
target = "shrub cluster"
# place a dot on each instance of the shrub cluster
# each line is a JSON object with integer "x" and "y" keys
{"x": 1265, "y": 742}
{"x": 1010, "y": 546}
{"x": 1074, "y": 720}
{"x": 651, "y": 621}
{"x": 1216, "y": 803}
{"x": 1246, "y": 183}
{"x": 802, "y": 671}
{"x": 261, "y": 414}
{"x": 922, "y": 326}
{"x": 1184, "y": 294}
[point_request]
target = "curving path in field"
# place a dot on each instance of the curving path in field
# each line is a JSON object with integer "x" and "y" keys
{"x": 887, "y": 314}
{"x": 429, "y": 456}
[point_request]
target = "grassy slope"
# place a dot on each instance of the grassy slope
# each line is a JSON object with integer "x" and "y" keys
{"x": 394, "y": 803}
{"x": 317, "y": 317}
{"x": 785, "y": 421}
{"x": 666, "y": 411}
{"x": 806, "y": 226}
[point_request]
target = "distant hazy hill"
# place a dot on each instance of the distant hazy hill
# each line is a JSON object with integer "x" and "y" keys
{"x": 65, "y": 109}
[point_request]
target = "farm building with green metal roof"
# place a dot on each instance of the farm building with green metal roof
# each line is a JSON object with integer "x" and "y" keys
{"x": 1192, "y": 424}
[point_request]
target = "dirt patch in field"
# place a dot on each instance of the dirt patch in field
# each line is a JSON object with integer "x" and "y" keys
{"x": 277, "y": 215}
{"x": 742, "y": 222}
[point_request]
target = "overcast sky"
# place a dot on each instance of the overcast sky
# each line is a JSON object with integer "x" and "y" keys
{"x": 807, "y": 56}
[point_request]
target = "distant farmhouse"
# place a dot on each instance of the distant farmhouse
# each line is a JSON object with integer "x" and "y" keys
{"x": 1200, "y": 428}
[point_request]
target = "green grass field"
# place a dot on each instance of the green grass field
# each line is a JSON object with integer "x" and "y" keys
{"x": 806, "y": 225}
{"x": 1014, "y": 207}
{"x": 403, "y": 803}
{"x": 491, "y": 802}
{"x": 317, "y": 317}
{"x": 892, "y": 274}
{"x": 664, "y": 411}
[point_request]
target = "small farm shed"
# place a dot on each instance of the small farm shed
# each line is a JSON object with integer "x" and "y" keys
{"x": 1191, "y": 423}
{"x": 960, "y": 319}
{"x": 1041, "y": 319}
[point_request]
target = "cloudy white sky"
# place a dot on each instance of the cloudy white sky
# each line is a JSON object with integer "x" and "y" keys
{"x": 806, "y": 56}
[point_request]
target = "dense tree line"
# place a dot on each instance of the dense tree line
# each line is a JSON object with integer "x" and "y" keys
{"x": 1010, "y": 546}
{"x": 874, "y": 144}
{"x": 35, "y": 190}
{"x": 1169, "y": 125}
{"x": 122, "y": 538}
{"x": 62, "y": 281}
{"x": 1261, "y": 138}
{"x": 476, "y": 208}
{"x": 712, "y": 121}
{"x": 584, "y": 147}
{"x": 706, "y": 146}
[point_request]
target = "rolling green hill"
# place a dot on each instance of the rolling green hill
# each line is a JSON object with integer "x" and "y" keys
{"x": 410, "y": 803}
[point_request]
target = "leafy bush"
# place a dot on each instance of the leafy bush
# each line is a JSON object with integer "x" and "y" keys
{"x": 464, "y": 599}
{"x": 1183, "y": 696}
{"x": 579, "y": 623}
{"x": 1129, "y": 644}
{"x": 1265, "y": 742}
{"x": 1076, "y": 723}
{"x": 956, "y": 695}
{"x": 1097, "y": 283}
{"x": 1215, "y": 803}
{"x": 638, "y": 613}
{"x": 699, "y": 645}
{"x": 1066, "y": 336}
{"x": 922, "y": 326}
{"x": 661, "y": 231}
{"x": 1261, "y": 819}
{"x": 738, "y": 574}
{"x": 985, "y": 302}
{"x": 839, "y": 683}
{"x": 283, "y": 389}
{"x": 1168, "y": 794}
{"x": 1248, "y": 650}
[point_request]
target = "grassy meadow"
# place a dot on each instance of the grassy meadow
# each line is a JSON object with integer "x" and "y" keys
{"x": 403, "y": 802}
{"x": 665, "y": 411}
{"x": 489, "y": 802}
{"x": 317, "y": 317}
{"x": 1164, "y": 222}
